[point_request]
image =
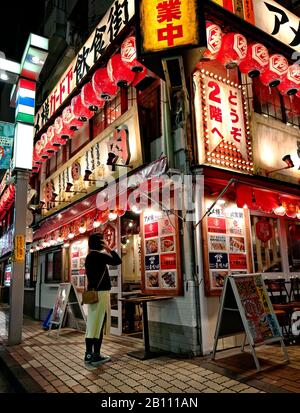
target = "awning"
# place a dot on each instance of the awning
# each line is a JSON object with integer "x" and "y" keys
{"x": 267, "y": 200}
{"x": 104, "y": 198}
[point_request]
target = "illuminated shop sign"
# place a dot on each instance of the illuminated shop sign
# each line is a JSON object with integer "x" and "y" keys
{"x": 222, "y": 126}
{"x": 105, "y": 33}
{"x": 168, "y": 24}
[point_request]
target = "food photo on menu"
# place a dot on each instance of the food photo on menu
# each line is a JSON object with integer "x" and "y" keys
{"x": 151, "y": 246}
{"x": 167, "y": 244}
{"x": 169, "y": 279}
{"x": 152, "y": 279}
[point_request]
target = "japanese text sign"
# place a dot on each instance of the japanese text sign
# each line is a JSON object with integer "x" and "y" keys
{"x": 168, "y": 24}
{"x": 224, "y": 121}
{"x": 19, "y": 248}
{"x": 107, "y": 30}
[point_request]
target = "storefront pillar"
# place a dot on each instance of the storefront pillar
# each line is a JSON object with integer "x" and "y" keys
{"x": 18, "y": 267}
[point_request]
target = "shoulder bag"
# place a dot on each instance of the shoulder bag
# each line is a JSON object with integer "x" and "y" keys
{"x": 91, "y": 296}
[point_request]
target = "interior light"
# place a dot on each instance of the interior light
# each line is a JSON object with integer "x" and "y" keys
{"x": 3, "y": 76}
{"x": 96, "y": 224}
{"x": 66, "y": 245}
{"x": 71, "y": 235}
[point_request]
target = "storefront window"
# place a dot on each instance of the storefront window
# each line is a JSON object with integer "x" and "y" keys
{"x": 266, "y": 244}
{"x": 53, "y": 271}
{"x": 293, "y": 238}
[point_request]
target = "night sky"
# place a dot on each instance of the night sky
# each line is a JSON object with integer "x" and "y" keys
{"x": 18, "y": 19}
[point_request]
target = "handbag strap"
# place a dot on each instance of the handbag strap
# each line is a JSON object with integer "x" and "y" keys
{"x": 101, "y": 276}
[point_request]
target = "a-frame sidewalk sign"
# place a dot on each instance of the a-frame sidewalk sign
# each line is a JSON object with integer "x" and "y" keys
{"x": 67, "y": 309}
{"x": 246, "y": 309}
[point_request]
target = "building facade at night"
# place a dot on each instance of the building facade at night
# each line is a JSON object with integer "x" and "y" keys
{"x": 114, "y": 130}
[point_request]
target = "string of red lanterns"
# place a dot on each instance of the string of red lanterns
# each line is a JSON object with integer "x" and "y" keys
{"x": 123, "y": 69}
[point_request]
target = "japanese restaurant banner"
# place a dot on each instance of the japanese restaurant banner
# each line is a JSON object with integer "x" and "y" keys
{"x": 222, "y": 125}
{"x": 225, "y": 245}
{"x": 165, "y": 25}
{"x": 7, "y": 132}
{"x": 161, "y": 271}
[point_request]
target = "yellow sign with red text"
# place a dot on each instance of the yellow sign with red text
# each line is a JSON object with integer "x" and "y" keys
{"x": 166, "y": 25}
{"x": 19, "y": 250}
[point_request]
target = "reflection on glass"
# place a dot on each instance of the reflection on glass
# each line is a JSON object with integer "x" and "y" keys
{"x": 266, "y": 244}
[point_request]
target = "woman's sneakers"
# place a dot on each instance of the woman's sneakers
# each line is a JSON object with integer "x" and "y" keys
{"x": 88, "y": 358}
{"x": 99, "y": 359}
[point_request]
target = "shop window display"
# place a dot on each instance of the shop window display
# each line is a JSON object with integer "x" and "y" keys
{"x": 53, "y": 272}
{"x": 266, "y": 244}
{"x": 293, "y": 238}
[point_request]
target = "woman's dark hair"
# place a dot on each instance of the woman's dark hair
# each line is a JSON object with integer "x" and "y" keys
{"x": 96, "y": 241}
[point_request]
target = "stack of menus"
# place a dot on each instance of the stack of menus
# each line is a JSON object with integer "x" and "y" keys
{"x": 225, "y": 244}
{"x": 161, "y": 272}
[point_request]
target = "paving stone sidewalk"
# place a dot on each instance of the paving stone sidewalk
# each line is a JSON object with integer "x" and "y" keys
{"x": 51, "y": 364}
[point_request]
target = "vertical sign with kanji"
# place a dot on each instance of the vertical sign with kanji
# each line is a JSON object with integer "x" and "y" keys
{"x": 222, "y": 119}
{"x": 167, "y": 24}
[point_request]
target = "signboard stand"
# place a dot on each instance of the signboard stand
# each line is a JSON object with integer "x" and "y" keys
{"x": 67, "y": 309}
{"x": 246, "y": 308}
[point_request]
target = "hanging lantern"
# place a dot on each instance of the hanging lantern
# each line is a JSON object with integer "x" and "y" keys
{"x": 128, "y": 55}
{"x": 214, "y": 40}
{"x": 51, "y": 146}
{"x": 55, "y": 139}
{"x": 256, "y": 60}
{"x": 80, "y": 111}
{"x": 36, "y": 160}
{"x": 41, "y": 148}
{"x": 61, "y": 129}
{"x": 69, "y": 119}
{"x": 118, "y": 72}
{"x": 273, "y": 74}
{"x": 103, "y": 86}
{"x": 89, "y": 98}
{"x": 233, "y": 50}
{"x": 290, "y": 83}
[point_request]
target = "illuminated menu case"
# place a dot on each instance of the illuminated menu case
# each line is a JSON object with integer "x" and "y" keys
{"x": 78, "y": 253}
{"x": 226, "y": 245}
{"x": 161, "y": 270}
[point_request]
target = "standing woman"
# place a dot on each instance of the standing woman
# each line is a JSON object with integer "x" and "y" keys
{"x": 98, "y": 319}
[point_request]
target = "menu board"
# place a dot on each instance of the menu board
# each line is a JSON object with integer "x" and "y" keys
{"x": 78, "y": 253}
{"x": 161, "y": 270}
{"x": 225, "y": 244}
{"x": 258, "y": 310}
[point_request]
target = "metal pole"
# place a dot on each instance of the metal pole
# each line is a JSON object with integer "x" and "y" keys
{"x": 18, "y": 268}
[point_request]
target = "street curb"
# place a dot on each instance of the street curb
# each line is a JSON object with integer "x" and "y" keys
{"x": 16, "y": 375}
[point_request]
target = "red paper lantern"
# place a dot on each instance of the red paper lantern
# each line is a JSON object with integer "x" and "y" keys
{"x": 128, "y": 55}
{"x": 80, "y": 111}
{"x": 55, "y": 139}
{"x": 273, "y": 73}
{"x": 290, "y": 83}
{"x": 263, "y": 229}
{"x": 103, "y": 86}
{"x": 36, "y": 160}
{"x": 41, "y": 148}
{"x": 214, "y": 40}
{"x": 70, "y": 120}
{"x": 256, "y": 60}
{"x": 61, "y": 129}
{"x": 89, "y": 98}
{"x": 118, "y": 72}
{"x": 51, "y": 146}
{"x": 233, "y": 50}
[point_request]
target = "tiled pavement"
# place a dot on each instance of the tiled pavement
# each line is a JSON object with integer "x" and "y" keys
{"x": 47, "y": 363}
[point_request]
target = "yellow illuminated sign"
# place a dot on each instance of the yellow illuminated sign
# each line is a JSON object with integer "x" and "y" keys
{"x": 168, "y": 24}
{"x": 19, "y": 250}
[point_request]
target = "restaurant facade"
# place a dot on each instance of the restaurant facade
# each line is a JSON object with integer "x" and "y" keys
{"x": 115, "y": 135}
